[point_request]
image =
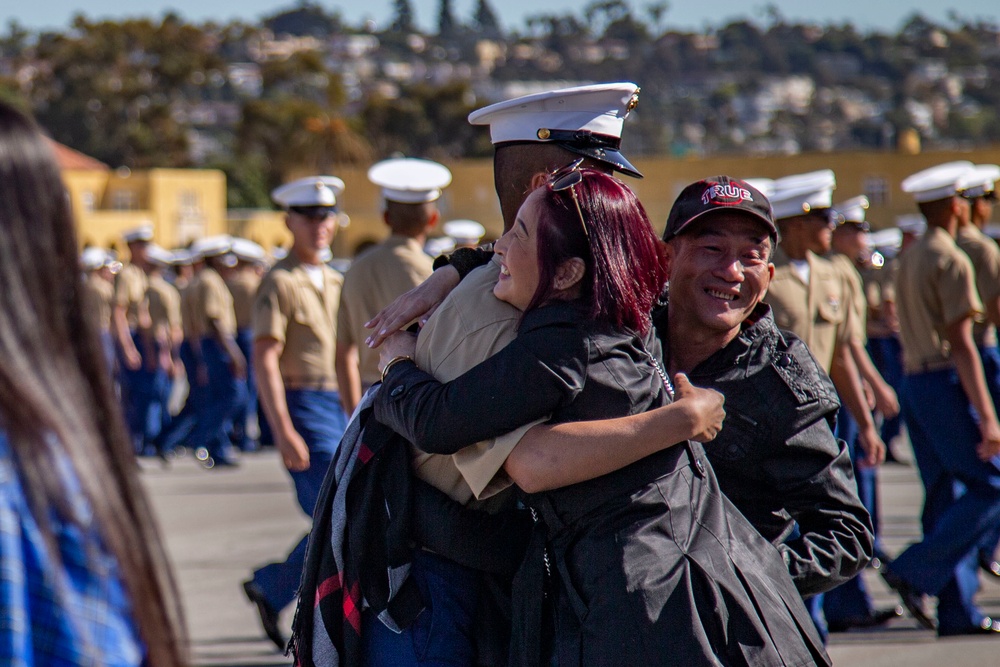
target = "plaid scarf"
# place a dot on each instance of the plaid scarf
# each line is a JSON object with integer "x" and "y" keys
{"x": 369, "y": 481}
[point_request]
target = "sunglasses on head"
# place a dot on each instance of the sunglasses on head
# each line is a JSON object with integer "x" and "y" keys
{"x": 312, "y": 212}
{"x": 564, "y": 179}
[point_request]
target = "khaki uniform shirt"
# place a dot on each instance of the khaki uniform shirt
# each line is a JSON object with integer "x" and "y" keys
{"x": 190, "y": 321}
{"x": 243, "y": 286}
{"x": 98, "y": 295}
{"x": 468, "y": 328}
{"x": 818, "y": 312}
{"x": 936, "y": 288}
{"x": 985, "y": 256}
{"x": 880, "y": 289}
{"x": 213, "y": 301}
{"x": 130, "y": 292}
{"x": 164, "y": 307}
{"x": 291, "y": 310}
{"x": 376, "y": 278}
{"x": 856, "y": 295}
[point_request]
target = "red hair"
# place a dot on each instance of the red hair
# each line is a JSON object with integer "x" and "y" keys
{"x": 624, "y": 257}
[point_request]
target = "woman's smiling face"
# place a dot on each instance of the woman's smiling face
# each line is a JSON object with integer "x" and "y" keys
{"x": 518, "y": 251}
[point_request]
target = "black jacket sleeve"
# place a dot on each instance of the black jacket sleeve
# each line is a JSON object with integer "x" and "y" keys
{"x": 474, "y": 538}
{"x": 812, "y": 470}
{"x": 464, "y": 260}
{"x": 836, "y": 538}
{"x": 779, "y": 462}
{"x": 541, "y": 370}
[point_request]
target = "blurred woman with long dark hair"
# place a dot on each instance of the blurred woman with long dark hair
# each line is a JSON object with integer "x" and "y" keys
{"x": 84, "y": 578}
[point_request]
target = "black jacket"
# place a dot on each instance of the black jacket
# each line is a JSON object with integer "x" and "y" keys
{"x": 776, "y": 457}
{"x": 647, "y": 565}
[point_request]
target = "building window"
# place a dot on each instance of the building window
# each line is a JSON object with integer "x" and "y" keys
{"x": 88, "y": 201}
{"x": 189, "y": 204}
{"x": 877, "y": 190}
{"x": 191, "y": 222}
{"x": 124, "y": 200}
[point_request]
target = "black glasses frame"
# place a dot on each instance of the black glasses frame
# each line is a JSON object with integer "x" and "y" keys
{"x": 565, "y": 178}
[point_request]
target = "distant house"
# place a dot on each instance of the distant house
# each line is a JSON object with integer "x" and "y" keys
{"x": 181, "y": 204}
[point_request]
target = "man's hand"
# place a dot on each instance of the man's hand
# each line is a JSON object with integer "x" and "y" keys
{"x": 872, "y": 446}
{"x": 294, "y": 452}
{"x": 399, "y": 344}
{"x": 133, "y": 360}
{"x": 417, "y": 304}
{"x": 886, "y": 400}
{"x": 705, "y": 407}
{"x": 201, "y": 374}
{"x": 990, "y": 444}
{"x": 238, "y": 366}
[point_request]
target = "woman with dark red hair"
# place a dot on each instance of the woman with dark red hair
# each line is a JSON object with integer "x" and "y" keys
{"x": 641, "y": 564}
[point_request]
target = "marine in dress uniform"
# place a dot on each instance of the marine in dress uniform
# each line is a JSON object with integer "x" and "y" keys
{"x": 948, "y": 411}
{"x": 99, "y": 268}
{"x": 410, "y": 191}
{"x": 243, "y": 283}
{"x": 878, "y": 275}
{"x": 810, "y": 297}
{"x": 130, "y": 317}
{"x": 221, "y": 371}
{"x": 187, "y": 265}
{"x": 980, "y": 189}
{"x": 849, "y": 605}
{"x": 464, "y": 233}
{"x": 295, "y": 333}
{"x": 532, "y": 135}
{"x": 162, "y": 341}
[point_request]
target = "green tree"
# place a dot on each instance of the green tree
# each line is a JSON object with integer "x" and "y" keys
{"x": 600, "y": 14}
{"x": 447, "y": 27}
{"x": 112, "y": 89}
{"x": 295, "y": 136}
{"x": 307, "y": 18}
{"x": 656, "y": 11}
{"x": 246, "y": 180}
{"x": 486, "y": 20}
{"x": 424, "y": 121}
{"x": 402, "y": 16}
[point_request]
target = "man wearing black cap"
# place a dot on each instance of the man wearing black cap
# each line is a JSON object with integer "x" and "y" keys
{"x": 776, "y": 456}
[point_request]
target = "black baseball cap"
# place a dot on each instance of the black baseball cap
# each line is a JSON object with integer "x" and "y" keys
{"x": 718, "y": 194}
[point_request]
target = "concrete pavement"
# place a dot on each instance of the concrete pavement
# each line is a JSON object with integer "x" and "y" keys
{"x": 220, "y": 524}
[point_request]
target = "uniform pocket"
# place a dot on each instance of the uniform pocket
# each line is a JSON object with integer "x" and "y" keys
{"x": 830, "y": 310}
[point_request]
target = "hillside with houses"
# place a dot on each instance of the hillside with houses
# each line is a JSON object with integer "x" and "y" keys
{"x": 304, "y": 90}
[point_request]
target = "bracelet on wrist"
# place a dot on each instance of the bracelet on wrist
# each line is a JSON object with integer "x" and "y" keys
{"x": 392, "y": 362}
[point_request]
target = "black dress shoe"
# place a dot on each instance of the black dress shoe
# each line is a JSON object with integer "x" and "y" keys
{"x": 986, "y": 627}
{"x": 875, "y": 619}
{"x": 268, "y": 614}
{"x": 911, "y": 599}
{"x": 989, "y": 566}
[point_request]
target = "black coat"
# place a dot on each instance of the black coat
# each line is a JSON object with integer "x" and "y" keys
{"x": 776, "y": 457}
{"x": 648, "y": 565}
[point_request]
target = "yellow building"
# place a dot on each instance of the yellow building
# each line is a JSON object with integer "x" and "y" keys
{"x": 471, "y": 194}
{"x": 181, "y": 204}
{"x": 184, "y": 204}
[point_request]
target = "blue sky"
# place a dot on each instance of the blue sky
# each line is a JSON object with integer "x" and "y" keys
{"x": 883, "y": 15}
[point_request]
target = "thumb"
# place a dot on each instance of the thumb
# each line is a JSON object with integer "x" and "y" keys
{"x": 681, "y": 384}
